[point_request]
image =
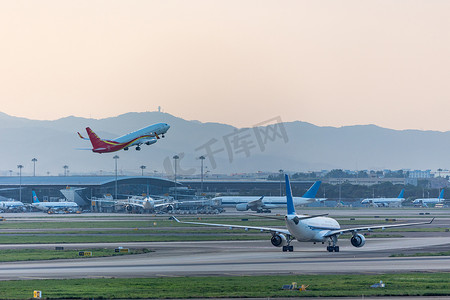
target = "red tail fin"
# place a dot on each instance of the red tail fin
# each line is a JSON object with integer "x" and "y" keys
{"x": 95, "y": 140}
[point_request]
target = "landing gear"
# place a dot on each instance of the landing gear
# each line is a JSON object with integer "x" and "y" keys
{"x": 162, "y": 135}
{"x": 138, "y": 148}
{"x": 288, "y": 248}
{"x": 333, "y": 248}
{"x": 332, "y": 244}
{"x": 126, "y": 148}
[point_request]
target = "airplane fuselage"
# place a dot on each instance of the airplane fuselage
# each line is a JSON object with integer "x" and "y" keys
{"x": 147, "y": 135}
{"x": 311, "y": 230}
{"x": 273, "y": 201}
{"x": 428, "y": 201}
{"x": 55, "y": 205}
{"x": 384, "y": 201}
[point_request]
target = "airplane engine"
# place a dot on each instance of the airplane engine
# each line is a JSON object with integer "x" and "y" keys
{"x": 149, "y": 142}
{"x": 358, "y": 240}
{"x": 168, "y": 208}
{"x": 278, "y": 240}
{"x": 129, "y": 208}
{"x": 242, "y": 207}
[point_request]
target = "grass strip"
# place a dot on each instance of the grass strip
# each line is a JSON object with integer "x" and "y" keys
{"x": 42, "y": 254}
{"x": 409, "y": 284}
{"x": 443, "y": 253}
{"x": 61, "y": 239}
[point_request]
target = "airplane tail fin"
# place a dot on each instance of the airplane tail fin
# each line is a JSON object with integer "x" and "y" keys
{"x": 95, "y": 140}
{"x": 402, "y": 192}
{"x": 441, "y": 195}
{"x": 35, "y": 197}
{"x": 289, "y": 200}
{"x": 312, "y": 191}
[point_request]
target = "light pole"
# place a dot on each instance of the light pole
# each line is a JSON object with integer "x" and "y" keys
{"x": 65, "y": 169}
{"x": 142, "y": 168}
{"x": 116, "y": 157}
{"x": 34, "y": 160}
{"x": 20, "y": 182}
{"x": 281, "y": 179}
{"x": 202, "y": 158}
{"x": 176, "y": 157}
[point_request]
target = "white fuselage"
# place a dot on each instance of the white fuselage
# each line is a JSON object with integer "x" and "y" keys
{"x": 272, "y": 201}
{"x": 383, "y": 201}
{"x": 55, "y": 205}
{"x": 428, "y": 201}
{"x": 311, "y": 230}
{"x": 11, "y": 204}
{"x": 159, "y": 128}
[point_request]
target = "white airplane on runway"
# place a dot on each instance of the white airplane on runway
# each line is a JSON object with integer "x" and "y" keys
{"x": 385, "y": 202}
{"x": 430, "y": 201}
{"x": 265, "y": 204}
{"x": 304, "y": 228}
{"x": 147, "y": 203}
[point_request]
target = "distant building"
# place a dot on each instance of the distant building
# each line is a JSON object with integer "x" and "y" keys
{"x": 365, "y": 181}
{"x": 419, "y": 174}
{"x": 83, "y": 187}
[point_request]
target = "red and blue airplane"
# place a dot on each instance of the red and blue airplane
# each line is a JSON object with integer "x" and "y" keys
{"x": 147, "y": 135}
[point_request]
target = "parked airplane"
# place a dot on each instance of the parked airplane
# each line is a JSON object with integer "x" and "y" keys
{"x": 377, "y": 202}
{"x": 53, "y": 206}
{"x": 305, "y": 228}
{"x": 264, "y": 204}
{"x": 147, "y": 135}
{"x": 11, "y": 204}
{"x": 430, "y": 201}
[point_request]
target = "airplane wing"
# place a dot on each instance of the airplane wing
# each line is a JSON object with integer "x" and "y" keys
{"x": 369, "y": 228}
{"x": 255, "y": 204}
{"x": 82, "y": 137}
{"x": 267, "y": 229}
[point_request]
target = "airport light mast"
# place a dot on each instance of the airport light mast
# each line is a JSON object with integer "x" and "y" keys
{"x": 175, "y": 158}
{"x": 202, "y": 158}
{"x": 116, "y": 157}
{"x": 65, "y": 169}
{"x": 20, "y": 182}
{"x": 281, "y": 178}
{"x": 34, "y": 160}
{"x": 142, "y": 168}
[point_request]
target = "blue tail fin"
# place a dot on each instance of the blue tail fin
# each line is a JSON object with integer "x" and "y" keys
{"x": 35, "y": 198}
{"x": 312, "y": 192}
{"x": 441, "y": 195}
{"x": 401, "y": 194}
{"x": 289, "y": 200}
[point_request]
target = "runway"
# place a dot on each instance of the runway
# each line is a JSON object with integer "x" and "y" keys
{"x": 237, "y": 258}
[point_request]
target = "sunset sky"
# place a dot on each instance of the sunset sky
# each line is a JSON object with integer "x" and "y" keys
{"x": 334, "y": 63}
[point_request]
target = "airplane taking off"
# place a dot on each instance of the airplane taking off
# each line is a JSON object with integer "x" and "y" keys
{"x": 430, "y": 201}
{"x": 147, "y": 135}
{"x": 304, "y": 228}
{"x": 378, "y": 202}
{"x": 51, "y": 206}
{"x": 264, "y": 204}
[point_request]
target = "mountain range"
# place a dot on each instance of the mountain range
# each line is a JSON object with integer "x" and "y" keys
{"x": 293, "y": 146}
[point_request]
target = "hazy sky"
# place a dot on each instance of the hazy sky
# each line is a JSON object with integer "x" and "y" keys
{"x": 384, "y": 62}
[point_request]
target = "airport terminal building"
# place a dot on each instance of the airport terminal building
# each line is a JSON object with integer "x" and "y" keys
{"x": 81, "y": 188}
